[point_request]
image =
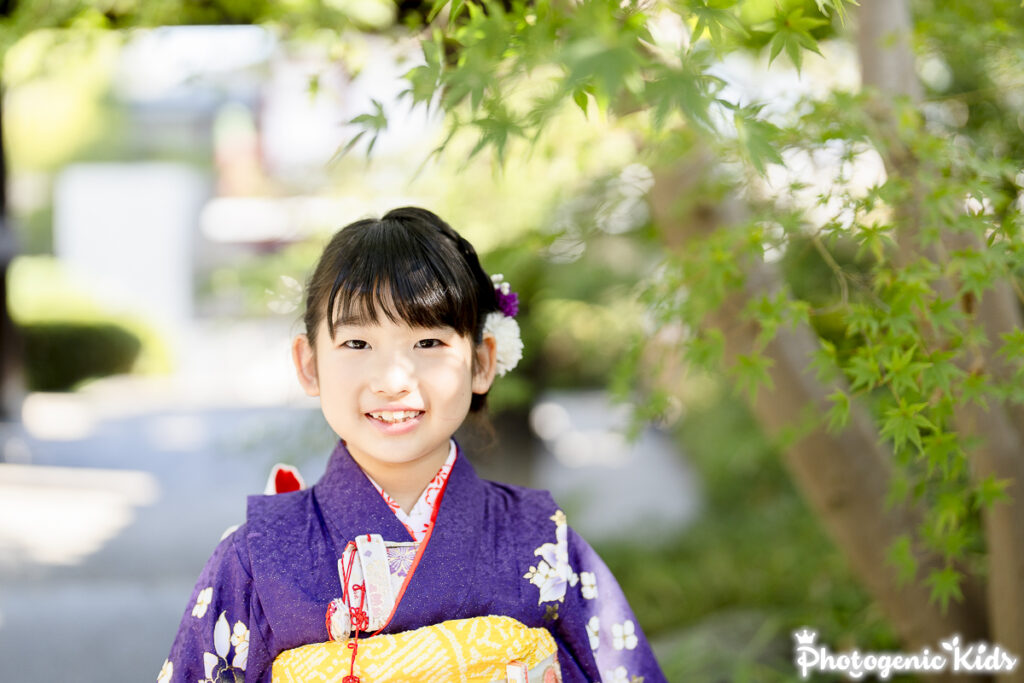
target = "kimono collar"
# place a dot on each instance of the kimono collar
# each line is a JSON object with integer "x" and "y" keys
{"x": 437, "y": 588}
{"x": 353, "y": 504}
{"x": 420, "y": 518}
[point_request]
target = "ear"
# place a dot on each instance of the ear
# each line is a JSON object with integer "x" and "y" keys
{"x": 304, "y": 358}
{"x": 487, "y": 364}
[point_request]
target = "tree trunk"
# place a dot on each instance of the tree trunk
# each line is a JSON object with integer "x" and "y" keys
{"x": 883, "y": 46}
{"x": 887, "y": 64}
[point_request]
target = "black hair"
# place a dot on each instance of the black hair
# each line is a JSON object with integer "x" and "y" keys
{"x": 410, "y": 259}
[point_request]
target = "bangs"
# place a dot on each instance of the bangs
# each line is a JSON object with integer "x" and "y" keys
{"x": 405, "y": 275}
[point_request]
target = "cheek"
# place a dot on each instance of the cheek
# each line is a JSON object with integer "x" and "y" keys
{"x": 336, "y": 382}
{"x": 334, "y": 403}
{"x": 451, "y": 378}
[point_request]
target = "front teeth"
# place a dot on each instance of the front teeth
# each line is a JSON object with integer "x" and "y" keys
{"x": 396, "y": 416}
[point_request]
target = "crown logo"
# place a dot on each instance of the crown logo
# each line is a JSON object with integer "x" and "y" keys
{"x": 805, "y": 636}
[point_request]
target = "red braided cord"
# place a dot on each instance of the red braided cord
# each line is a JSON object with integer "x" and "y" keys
{"x": 357, "y": 615}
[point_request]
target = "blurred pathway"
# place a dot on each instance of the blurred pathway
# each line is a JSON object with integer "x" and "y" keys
{"x": 112, "y": 499}
{"x": 101, "y": 538}
{"x": 610, "y": 488}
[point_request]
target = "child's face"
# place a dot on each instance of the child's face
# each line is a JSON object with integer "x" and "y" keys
{"x": 368, "y": 368}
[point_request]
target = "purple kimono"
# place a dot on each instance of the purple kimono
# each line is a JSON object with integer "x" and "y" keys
{"x": 495, "y": 549}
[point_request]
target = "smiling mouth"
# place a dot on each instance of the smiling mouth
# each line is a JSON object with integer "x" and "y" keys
{"x": 397, "y": 417}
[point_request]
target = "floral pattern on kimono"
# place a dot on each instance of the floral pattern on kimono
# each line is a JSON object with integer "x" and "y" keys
{"x": 603, "y": 631}
{"x": 220, "y": 666}
{"x": 214, "y": 641}
{"x": 552, "y": 574}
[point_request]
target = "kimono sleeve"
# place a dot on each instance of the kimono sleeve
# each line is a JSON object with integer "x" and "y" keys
{"x": 220, "y": 637}
{"x": 597, "y": 626}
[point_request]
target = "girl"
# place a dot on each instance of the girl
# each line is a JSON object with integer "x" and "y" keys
{"x": 400, "y": 564}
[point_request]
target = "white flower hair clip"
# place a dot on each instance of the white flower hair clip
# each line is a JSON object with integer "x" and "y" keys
{"x": 502, "y": 324}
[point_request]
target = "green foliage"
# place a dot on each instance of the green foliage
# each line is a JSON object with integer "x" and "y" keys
{"x": 716, "y": 19}
{"x": 602, "y": 51}
{"x": 299, "y": 18}
{"x": 43, "y": 293}
{"x": 374, "y": 124}
{"x": 945, "y": 585}
{"x": 902, "y": 557}
{"x": 792, "y": 32}
{"x": 745, "y": 574}
{"x": 58, "y": 356}
{"x": 896, "y": 339}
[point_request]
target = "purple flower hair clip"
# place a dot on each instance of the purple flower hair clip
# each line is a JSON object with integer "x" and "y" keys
{"x": 508, "y": 301}
{"x": 502, "y": 324}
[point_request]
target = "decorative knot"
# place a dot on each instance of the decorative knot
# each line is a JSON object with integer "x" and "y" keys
{"x": 360, "y": 620}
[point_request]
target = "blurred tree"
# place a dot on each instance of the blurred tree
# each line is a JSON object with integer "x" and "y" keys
{"x": 10, "y": 342}
{"x": 18, "y": 18}
{"x": 895, "y": 390}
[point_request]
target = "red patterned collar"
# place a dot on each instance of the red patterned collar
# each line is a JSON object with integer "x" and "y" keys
{"x": 419, "y": 519}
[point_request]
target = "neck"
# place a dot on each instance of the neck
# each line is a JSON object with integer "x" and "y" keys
{"x": 404, "y": 482}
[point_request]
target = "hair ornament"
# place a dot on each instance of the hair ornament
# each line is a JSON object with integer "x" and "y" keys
{"x": 508, "y": 301}
{"x": 502, "y": 324}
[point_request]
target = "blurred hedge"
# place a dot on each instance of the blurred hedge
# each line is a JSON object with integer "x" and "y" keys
{"x": 60, "y": 355}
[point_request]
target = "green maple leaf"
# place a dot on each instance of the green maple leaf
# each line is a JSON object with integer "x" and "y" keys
{"x": 793, "y": 34}
{"x": 904, "y": 423}
{"x": 903, "y": 370}
{"x": 945, "y": 584}
{"x": 838, "y": 6}
{"x": 974, "y": 388}
{"x": 604, "y": 63}
{"x": 824, "y": 361}
{"x": 976, "y": 270}
{"x": 1013, "y": 345}
{"x": 945, "y": 315}
{"x": 751, "y": 372}
{"x": 901, "y": 556}
{"x": 769, "y": 312}
{"x": 496, "y": 129}
{"x": 372, "y": 124}
{"x": 950, "y": 510}
{"x": 873, "y": 239}
{"x": 424, "y": 80}
{"x": 863, "y": 369}
{"x": 687, "y": 89}
{"x": 756, "y": 137}
{"x": 941, "y": 373}
{"x": 839, "y": 413}
{"x": 715, "y": 20}
{"x": 942, "y": 451}
{"x": 990, "y": 491}
{"x": 705, "y": 350}
{"x": 579, "y": 96}
{"x": 861, "y": 319}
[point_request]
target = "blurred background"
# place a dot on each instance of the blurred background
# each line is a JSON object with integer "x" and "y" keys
{"x": 168, "y": 189}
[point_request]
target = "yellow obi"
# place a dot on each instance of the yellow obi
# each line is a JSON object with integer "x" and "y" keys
{"x": 478, "y": 650}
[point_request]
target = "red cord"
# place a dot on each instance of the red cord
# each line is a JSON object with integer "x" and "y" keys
{"x": 357, "y": 615}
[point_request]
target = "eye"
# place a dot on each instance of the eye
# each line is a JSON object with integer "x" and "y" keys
{"x": 430, "y": 343}
{"x": 359, "y": 344}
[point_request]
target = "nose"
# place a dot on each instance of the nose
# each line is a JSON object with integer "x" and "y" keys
{"x": 392, "y": 375}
